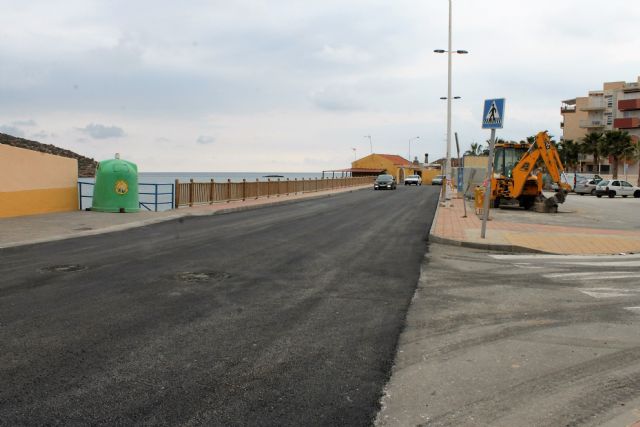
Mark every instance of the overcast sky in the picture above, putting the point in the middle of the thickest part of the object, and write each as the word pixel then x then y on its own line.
pixel 251 85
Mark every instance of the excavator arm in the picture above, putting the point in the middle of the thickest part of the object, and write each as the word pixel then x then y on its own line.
pixel 522 170
pixel 551 159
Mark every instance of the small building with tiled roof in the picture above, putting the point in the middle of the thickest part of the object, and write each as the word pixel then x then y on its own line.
pixel 391 164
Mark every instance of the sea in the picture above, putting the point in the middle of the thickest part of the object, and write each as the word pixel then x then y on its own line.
pixel 170 178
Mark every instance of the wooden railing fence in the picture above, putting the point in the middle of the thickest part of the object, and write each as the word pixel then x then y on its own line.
pixel 200 193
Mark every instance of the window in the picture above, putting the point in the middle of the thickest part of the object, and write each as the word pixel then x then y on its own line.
pixel 615 183
pixel 625 184
pixel 604 168
pixel 609 101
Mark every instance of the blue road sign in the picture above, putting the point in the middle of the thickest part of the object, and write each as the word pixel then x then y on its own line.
pixel 493 113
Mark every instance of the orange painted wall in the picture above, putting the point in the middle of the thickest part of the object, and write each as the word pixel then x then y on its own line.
pixel 34 182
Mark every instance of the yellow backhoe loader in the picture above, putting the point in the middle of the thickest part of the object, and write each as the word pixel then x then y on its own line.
pixel 517 179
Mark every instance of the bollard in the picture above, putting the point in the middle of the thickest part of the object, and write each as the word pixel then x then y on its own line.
pixel 479 200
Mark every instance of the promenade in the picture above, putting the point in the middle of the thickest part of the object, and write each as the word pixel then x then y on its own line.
pixel 32 229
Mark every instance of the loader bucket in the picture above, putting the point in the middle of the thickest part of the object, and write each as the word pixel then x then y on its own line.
pixel 549 205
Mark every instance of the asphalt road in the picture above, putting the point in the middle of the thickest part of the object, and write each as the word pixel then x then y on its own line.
pixel 519 340
pixel 286 315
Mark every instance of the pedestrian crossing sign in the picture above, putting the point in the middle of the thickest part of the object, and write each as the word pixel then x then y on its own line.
pixel 493 113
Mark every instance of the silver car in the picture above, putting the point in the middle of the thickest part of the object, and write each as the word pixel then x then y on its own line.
pixel 437 180
pixel 587 186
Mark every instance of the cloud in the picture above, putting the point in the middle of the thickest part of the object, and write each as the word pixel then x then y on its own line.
pixel 336 98
pixel 11 130
pixel 29 122
pixel 41 134
pixel 343 54
pixel 98 131
pixel 205 139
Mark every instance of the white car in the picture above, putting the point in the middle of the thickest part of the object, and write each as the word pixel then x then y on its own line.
pixel 413 180
pixel 437 180
pixel 616 187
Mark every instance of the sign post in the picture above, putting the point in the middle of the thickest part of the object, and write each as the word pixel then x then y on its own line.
pixel 492 118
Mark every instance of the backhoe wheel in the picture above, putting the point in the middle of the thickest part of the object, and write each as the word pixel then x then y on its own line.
pixel 612 194
pixel 636 194
pixel 527 202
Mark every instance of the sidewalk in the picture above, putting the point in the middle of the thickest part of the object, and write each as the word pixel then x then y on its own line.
pixel 523 232
pixel 31 229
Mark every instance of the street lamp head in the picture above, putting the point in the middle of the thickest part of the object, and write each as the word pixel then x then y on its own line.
pixel 443 97
pixel 439 51
pixel 462 52
pixel 457 97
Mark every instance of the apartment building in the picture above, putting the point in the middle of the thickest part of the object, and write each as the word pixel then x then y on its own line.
pixel 615 107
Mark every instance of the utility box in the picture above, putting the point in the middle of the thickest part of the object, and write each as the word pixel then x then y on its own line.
pixel 116 188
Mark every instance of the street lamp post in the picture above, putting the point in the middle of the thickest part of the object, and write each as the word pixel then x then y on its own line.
pixel 411 139
pixel 370 144
pixel 449 54
pixel 354 155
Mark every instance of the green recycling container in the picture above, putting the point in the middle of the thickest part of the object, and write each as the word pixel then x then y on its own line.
pixel 116 188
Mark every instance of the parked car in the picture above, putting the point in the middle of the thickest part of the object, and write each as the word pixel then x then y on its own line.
pixel 616 187
pixel 437 180
pixel 587 186
pixel 413 180
pixel 383 182
pixel 574 178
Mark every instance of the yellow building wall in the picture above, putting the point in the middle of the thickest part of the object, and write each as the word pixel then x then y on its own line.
pixel 34 182
pixel 375 161
pixel 475 161
pixel 429 174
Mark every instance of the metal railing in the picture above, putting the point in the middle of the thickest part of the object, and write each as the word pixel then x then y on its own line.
pixel 150 205
pixel 155 195
pixel 200 193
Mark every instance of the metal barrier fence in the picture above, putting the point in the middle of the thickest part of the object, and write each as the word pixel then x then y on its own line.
pixel 199 193
pixel 149 200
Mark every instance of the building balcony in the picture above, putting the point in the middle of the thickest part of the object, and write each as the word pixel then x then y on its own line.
pixel 594 106
pixel 567 109
pixel 631 87
pixel 591 123
pixel 629 104
pixel 561 125
pixel 627 123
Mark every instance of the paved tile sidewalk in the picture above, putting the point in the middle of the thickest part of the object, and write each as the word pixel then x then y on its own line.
pixel 64 225
pixel 450 227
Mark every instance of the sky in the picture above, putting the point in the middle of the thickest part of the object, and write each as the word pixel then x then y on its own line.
pixel 294 86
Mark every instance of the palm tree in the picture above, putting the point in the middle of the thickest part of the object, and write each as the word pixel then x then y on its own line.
pixel 475 150
pixel 619 146
pixel 569 152
pixel 592 144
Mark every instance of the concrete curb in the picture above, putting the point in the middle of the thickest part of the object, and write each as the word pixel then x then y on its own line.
pixel 487 246
pixel 477 245
pixel 175 216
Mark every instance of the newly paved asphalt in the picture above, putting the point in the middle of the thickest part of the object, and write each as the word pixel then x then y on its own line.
pixel 287 315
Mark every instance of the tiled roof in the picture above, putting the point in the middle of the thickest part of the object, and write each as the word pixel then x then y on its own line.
pixel 397 160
